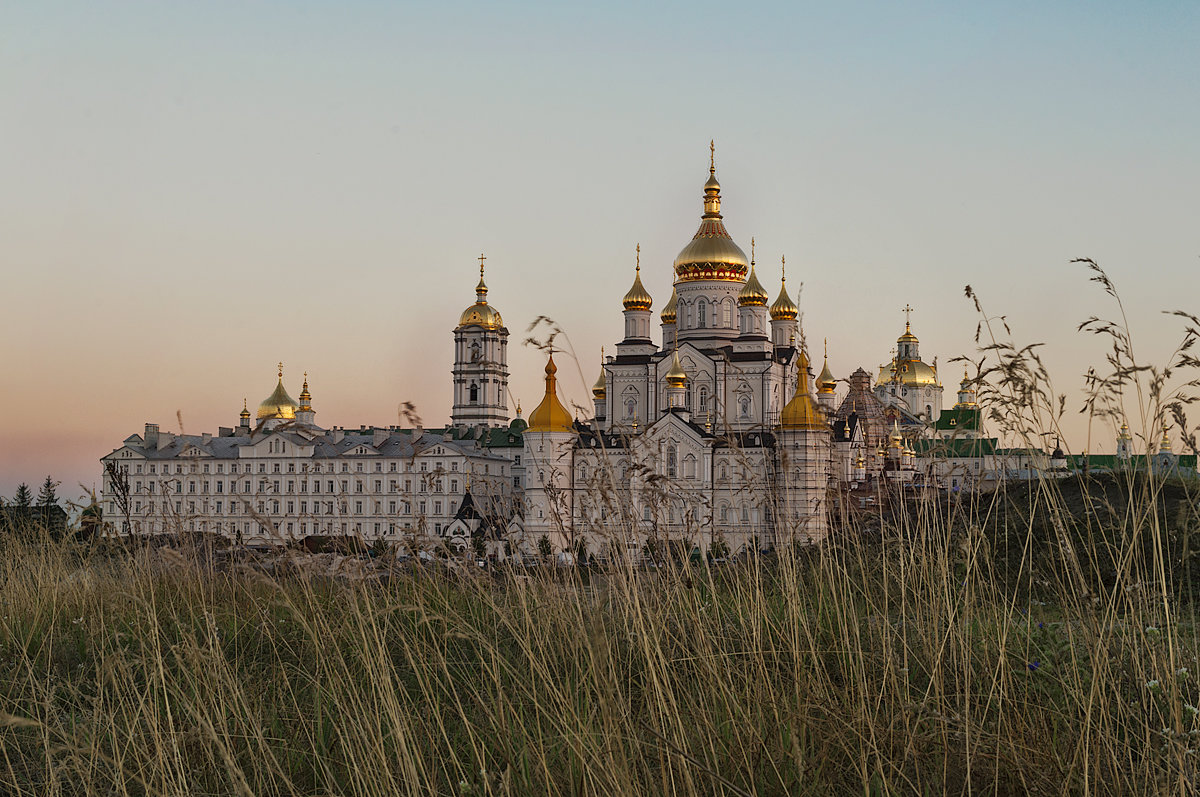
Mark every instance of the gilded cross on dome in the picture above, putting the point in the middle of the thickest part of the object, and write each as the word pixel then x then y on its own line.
pixel 281 370
pixel 907 313
pixel 481 259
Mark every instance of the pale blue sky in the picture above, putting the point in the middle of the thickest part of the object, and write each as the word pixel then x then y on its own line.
pixel 192 192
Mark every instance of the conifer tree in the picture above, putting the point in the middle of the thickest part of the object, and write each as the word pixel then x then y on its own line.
pixel 47 497
pixel 24 496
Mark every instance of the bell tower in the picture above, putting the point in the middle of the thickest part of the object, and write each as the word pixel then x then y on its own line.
pixel 480 363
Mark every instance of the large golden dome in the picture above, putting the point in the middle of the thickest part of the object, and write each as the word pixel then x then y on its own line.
pixel 279 404
pixel 911 373
pixel 481 314
pixel 711 254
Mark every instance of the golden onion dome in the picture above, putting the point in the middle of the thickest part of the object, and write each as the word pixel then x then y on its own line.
pixel 481 314
pixel 638 297
pixel 305 396
pixel 245 413
pixel 1124 434
pixel 279 404
pixel 550 415
pixel 753 294
pixel 712 254
pixel 600 389
pixel 675 376
pixel 908 336
pixel 668 312
pixel 802 412
pixel 825 382
pixel 784 309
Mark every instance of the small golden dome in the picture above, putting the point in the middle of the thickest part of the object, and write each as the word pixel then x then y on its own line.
pixel 600 389
pixel 783 309
pixel 245 413
pixel 825 382
pixel 675 377
pixel 668 312
pixel 279 404
pixel 305 396
pixel 802 412
pixel 550 415
pixel 753 294
pixel 1124 433
pixel 637 298
pixel 908 336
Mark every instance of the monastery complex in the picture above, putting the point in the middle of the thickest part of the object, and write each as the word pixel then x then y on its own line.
pixel 709 435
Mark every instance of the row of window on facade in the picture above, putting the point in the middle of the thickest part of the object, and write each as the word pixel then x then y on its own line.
pixel 236 507
pixel 277 467
pixel 252 530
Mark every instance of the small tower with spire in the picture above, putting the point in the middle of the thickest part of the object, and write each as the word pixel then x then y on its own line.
pixel 752 312
pixel 668 317
pixel 305 414
pixel 480 364
pixel 676 379
pixel 637 303
pixel 244 423
pixel 827 386
pixel 600 394
pixel 1124 443
pixel 784 312
pixel 804 451
pixel 548 441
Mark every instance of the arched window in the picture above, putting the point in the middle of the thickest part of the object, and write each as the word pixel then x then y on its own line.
pixel 473 393
pixel 672 460
pixel 744 406
pixel 703 312
pixel 689 467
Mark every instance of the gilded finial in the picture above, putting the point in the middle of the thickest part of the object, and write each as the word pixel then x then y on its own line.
pixel 907 316
pixel 783 270
pixel 281 370
pixel 752 250
pixel 518 408
pixel 712 158
pixel 638 267
pixel 481 259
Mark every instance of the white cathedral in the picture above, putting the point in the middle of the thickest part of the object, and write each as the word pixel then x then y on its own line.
pixel 708 440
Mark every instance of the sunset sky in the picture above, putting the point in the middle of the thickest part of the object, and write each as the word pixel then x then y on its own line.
pixel 190 193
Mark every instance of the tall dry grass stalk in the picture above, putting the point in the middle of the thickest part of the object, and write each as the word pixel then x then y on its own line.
pixel 1037 640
